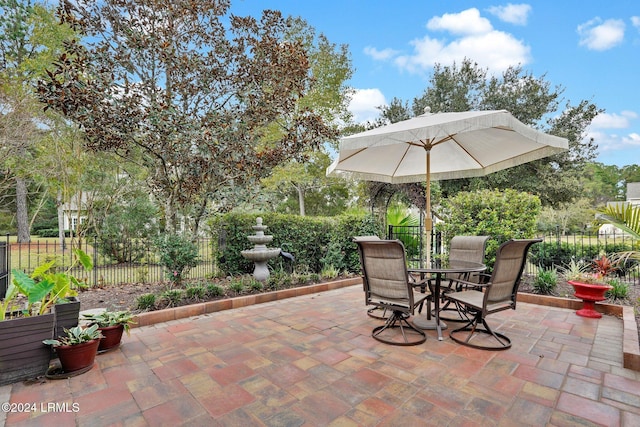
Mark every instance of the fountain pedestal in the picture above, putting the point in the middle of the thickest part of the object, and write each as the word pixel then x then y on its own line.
pixel 260 254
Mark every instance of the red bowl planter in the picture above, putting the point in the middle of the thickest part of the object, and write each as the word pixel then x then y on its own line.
pixel 589 293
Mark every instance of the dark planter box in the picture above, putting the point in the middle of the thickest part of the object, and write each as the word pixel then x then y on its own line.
pixel 22 354
pixel 67 315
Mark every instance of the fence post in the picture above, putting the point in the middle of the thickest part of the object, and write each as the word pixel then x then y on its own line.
pixel 5 251
pixel 95 260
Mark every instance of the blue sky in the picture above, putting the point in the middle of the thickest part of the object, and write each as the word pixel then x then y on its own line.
pixel 589 47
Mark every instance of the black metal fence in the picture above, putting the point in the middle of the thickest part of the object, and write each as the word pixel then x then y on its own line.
pixel 555 251
pixel 144 269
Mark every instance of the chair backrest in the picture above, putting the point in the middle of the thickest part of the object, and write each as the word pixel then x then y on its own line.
pixel 511 259
pixel 384 270
pixel 468 248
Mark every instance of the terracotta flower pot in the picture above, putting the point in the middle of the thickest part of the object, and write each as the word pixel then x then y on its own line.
pixel 112 335
pixel 78 356
pixel 589 293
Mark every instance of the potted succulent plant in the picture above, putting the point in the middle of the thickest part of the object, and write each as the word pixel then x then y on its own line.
pixel 589 286
pixel 112 324
pixel 78 348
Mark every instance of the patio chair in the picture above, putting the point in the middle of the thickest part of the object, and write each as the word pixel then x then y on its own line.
pixel 497 294
pixel 387 285
pixel 463 248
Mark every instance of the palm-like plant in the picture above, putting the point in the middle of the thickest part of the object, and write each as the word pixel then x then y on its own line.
pixel 626 217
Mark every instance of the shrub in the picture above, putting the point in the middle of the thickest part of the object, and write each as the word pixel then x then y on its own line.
pixel 329 272
pixel 308 239
pixel 146 302
pixel 171 297
pixel 620 290
pixel 255 285
pixel 503 215
pixel 178 254
pixel 125 233
pixel 236 286
pixel 546 281
pixel 196 292
pixel 214 290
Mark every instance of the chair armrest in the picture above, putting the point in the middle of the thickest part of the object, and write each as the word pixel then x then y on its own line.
pixel 472 284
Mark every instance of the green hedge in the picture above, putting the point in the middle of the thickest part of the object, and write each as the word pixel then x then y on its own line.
pixel 558 254
pixel 313 241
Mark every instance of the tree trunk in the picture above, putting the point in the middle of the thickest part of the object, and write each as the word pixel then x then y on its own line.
pixel 300 199
pixel 22 214
pixel 170 216
pixel 61 237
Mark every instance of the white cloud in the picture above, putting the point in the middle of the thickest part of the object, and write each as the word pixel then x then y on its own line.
pixel 635 21
pixel 610 143
pixel 466 22
pixel 512 13
pixel 495 50
pixel 380 55
pixel 473 37
pixel 613 121
pixel 598 35
pixel 363 104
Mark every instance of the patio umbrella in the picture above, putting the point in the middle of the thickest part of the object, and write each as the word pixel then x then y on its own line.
pixel 442 146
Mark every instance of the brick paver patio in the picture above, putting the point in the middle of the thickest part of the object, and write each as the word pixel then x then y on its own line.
pixel 310 361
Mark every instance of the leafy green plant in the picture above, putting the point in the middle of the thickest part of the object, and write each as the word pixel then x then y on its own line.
pixel 256 285
pixel 196 292
pixel 619 291
pixel 146 302
pixel 172 297
pixel 111 318
pixel 236 285
pixel 546 281
pixel 503 215
pixel 178 254
pixel 45 286
pixel 76 335
pixel 329 272
pixel 214 290
pixel 574 269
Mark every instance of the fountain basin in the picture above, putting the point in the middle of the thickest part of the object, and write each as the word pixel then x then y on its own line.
pixel 261 255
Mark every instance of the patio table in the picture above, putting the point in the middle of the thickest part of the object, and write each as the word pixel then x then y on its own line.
pixel 439 270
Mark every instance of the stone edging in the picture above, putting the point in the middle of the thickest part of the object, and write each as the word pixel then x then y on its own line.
pixel 167 314
pixel 631 346
pixel 630 342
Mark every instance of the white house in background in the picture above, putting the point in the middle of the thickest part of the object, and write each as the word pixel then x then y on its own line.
pixel 633 198
pixel 633 193
pixel 73 213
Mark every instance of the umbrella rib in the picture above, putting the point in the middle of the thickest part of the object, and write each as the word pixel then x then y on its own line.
pixel 452 137
pixel 409 144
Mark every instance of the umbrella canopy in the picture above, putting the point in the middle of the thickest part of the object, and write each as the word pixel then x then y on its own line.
pixel 442 146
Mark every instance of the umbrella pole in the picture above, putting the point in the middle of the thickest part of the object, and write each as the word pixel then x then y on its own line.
pixel 428 223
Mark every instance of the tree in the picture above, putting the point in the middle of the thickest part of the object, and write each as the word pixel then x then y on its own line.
pixel 205 108
pixel 303 186
pixel 530 99
pixel 29 38
pixel 328 95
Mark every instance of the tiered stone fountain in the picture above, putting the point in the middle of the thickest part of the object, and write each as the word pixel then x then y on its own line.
pixel 260 254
